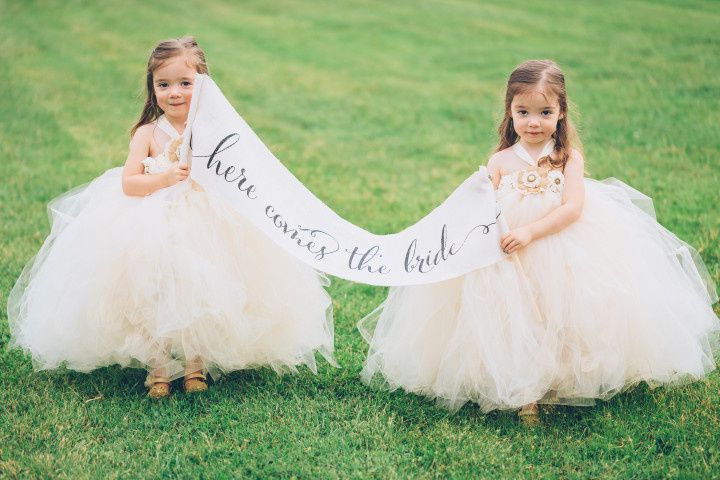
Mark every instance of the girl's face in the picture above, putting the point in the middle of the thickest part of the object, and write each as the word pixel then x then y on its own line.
pixel 173 84
pixel 535 116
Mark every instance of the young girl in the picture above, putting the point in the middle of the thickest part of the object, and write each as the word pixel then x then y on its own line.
pixel 141 268
pixel 614 298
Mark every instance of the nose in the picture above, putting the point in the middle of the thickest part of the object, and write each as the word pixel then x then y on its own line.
pixel 533 121
pixel 174 92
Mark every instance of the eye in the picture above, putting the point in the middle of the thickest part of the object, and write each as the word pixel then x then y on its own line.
pixel 162 85
pixel 522 112
pixel 186 83
pixel 545 113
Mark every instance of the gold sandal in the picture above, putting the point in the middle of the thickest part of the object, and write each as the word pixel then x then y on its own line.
pixel 195 382
pixel 159 388
pixel 530 415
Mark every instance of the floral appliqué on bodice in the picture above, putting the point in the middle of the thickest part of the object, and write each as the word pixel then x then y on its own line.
pixel 159 164
pixel 536 179
pixel 529 182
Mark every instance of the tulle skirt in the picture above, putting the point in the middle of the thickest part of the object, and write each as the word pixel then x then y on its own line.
pixel 475 338
pixel 161 281
pixel 612 300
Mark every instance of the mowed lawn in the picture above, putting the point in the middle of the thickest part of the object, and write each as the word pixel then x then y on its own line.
pixel 381 109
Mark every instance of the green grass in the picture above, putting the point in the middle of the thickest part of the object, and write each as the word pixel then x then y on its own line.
pixel 381 108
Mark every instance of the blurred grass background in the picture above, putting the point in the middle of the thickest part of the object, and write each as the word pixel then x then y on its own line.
pixel 381 109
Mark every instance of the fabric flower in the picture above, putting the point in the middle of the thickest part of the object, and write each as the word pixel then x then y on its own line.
pixel 556 181
pixel 174 149
pixel 156 165
pixel 530 182
pixel 530 178
pixel 148 164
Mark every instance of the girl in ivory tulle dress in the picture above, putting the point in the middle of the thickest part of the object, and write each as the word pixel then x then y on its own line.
pixel 593 297
pixel 143 268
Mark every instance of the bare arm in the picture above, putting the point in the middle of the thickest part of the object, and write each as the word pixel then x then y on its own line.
pixel 570 210
pixel 134 180
pixel 572 202
pixel 493 168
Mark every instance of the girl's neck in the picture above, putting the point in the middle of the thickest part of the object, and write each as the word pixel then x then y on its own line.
pixel 533 149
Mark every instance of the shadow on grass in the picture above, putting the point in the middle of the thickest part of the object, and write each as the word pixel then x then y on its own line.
pixel 248 388
pixel 632 407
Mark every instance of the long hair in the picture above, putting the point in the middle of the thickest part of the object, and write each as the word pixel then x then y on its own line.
pixel 544 76
pixel 164 51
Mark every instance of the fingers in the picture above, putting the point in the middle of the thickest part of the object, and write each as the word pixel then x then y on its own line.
pixel 510 244
pixel 182 172
pixel 506 241
pixel 505 244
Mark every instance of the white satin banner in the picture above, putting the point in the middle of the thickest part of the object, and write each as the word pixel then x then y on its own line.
pixel 228 159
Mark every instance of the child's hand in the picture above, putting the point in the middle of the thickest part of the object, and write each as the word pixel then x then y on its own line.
pixel 177 173
pixel 515 239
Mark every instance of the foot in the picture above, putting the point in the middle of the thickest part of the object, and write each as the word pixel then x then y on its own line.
pixel 530 415
pixel 159 388
pixel 195 382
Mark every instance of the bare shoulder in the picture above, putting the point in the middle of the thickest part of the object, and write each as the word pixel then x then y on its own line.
pixel 575 166
pixel 498 158
pixel 576 160
pixel 500 162
pixel 143 133
pixel 504 153
pixel 141 141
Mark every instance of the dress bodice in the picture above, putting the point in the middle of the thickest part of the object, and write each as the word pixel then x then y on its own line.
pixel 535 179
pixel 157 164
pixel 166 158
pixel 531 181
pixel 528 194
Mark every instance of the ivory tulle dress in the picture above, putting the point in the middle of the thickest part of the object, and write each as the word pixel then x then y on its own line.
pixel 612 300
pixel 163 280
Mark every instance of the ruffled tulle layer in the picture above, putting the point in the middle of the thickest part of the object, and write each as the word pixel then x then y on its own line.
pixel 161 281
pixel 474 338
pixel 621 300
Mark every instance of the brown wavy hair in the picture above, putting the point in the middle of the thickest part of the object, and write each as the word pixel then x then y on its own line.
pixel 164 51
pixel 544 76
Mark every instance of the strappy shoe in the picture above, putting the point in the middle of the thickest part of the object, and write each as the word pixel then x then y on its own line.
pixel 159 388
pixel 195 382
pixel 530 415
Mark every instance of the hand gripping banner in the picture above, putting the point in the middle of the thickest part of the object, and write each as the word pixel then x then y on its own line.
pixel 228 159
